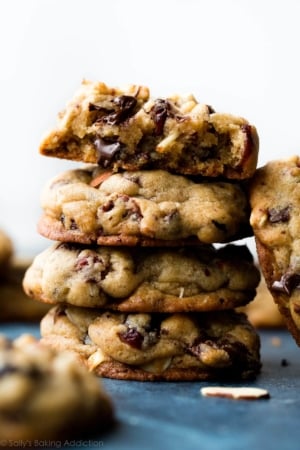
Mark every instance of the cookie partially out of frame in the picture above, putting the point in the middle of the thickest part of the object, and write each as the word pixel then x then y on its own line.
pixel 46 394
pixel 143 279
pixel 149 347
pixel 152 207
pixel 275 218
pixel 15 305
pixel 123 128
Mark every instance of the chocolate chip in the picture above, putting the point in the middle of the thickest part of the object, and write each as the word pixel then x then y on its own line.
pixel 247 130
pixel 94 267
pixel 106 149
pixel 279 215
pixel 108 206
pixel 287 283
pixel 122 108
pixel 132 337
pixel 159 114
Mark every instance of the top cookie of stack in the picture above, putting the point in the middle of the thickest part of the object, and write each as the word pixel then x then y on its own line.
pixel 126 129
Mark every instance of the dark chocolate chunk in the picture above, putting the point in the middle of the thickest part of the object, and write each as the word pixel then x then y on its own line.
pixel 159 114
pixel 122 108
pixel 132 337
pixel 287 283
pixel 106 149
pixel 279 215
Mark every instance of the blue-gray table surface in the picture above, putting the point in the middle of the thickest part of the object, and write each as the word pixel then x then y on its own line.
pixel 174 416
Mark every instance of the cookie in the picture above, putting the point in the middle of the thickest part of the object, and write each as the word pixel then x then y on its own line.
pixel 123 128
pixel 275 219
pixel 263 312
pixel 6 251
pixel 143 279
pixel 15 305
pixel 90 205
pixel 149 347
pixel 47 395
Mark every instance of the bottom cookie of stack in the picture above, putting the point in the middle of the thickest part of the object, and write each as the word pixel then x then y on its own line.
pixel 219 345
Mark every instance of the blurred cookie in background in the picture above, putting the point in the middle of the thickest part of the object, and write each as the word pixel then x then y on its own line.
pixel 6 250
pixel 15 305
pixel 48 395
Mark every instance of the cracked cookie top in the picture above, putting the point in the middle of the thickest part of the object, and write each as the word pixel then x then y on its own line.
pixel 124 128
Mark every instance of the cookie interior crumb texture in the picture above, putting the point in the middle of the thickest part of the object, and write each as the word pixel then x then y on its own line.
pixel 124 128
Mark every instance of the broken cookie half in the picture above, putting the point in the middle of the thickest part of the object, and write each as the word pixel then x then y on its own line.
pixel 124 128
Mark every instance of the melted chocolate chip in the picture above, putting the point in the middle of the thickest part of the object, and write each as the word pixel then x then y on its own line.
pixel 106 149
pixel 247 130
pixel 287 283
pixel 122 108
pixel 237 351
pixel 279 215
pixel 132 337
pixel 108 206
pixel 159 114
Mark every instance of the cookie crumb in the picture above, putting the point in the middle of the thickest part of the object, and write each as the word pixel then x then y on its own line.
pixel 237 393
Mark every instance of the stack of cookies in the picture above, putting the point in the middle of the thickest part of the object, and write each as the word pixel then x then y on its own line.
pixel 140 290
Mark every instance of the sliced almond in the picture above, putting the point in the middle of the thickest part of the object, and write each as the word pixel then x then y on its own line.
pixel 100 178
pixel 97 358
pixel 237 393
